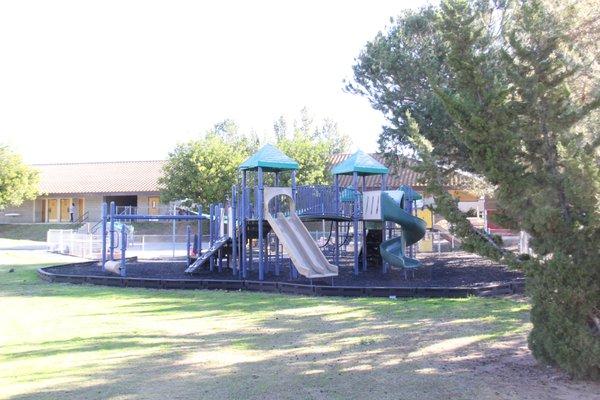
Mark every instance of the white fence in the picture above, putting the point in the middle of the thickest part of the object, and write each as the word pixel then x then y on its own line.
pixel 68 241
pixel 87 245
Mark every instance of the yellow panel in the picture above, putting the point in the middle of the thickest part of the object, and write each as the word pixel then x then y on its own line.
pixel 64 210
pixel 426 244
pixel 427 216
pixel 52 209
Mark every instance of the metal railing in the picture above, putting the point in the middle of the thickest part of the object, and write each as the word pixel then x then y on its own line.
pixel 311 201
pixel 161 209
pixel 323 201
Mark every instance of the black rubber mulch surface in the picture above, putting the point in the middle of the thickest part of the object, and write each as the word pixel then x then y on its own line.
pixel 456 269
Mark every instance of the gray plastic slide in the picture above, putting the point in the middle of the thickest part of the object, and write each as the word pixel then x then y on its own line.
pixel 300 246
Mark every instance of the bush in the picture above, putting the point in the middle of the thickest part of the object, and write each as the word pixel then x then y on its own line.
pixel 566 315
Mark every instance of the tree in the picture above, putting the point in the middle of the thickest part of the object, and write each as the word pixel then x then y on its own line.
pixel 228 130
pixel 311 144
pixel 313 157
pixel 506 78
pixel 18 182
pixel 205 170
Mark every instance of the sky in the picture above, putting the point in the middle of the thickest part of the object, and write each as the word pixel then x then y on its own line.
pixel 128 80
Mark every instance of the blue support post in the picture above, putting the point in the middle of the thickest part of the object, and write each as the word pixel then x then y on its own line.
pixel 355 220
pixel 104 211
pixel 336 190
pixel 259 206
pixel 234 239
pixel 384 265
pixel 188 244
pixel 122 269
pixel 112 230
pixel 211 235
pixel 277 266
pixel 244 228
pixel 294 270
pixel 410 211
pixel 199 231
pixel 364 230
pixel 219 221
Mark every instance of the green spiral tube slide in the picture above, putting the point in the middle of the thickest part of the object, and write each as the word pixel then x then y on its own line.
pixel 413 230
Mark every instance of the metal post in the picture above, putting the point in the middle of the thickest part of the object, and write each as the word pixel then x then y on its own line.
pixel 259 206
pixel 355 220
pixel 199 231
pixel 188 243
pixel 384 265
pixel 112 230
pixel 122 269
pixel 104 210
pixel 336 190
pixel 294 186
pixel 174 230
pixel 244 265
pixel 364 229
pixel 277 266
pixel 234 239
pixel 294 270
pixel 211 235
pixel 218 236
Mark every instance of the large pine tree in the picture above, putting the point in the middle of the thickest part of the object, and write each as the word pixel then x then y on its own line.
pixel 505 81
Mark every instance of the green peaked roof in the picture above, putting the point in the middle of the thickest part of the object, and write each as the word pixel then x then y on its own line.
pixel 270 158
pixel 361 163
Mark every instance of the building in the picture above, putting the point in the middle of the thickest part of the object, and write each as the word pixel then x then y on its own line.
pixel 87 186
pixel 135 184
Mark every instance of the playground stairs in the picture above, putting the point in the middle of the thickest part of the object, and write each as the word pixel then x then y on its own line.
pixel 373 242
pixel 217 245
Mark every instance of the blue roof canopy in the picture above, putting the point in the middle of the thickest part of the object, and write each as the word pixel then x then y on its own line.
pixel 361 163
pixel 269 158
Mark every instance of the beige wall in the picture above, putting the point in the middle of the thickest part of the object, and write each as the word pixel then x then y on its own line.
pixel 24 213
pixel 31 211
pixel 93 205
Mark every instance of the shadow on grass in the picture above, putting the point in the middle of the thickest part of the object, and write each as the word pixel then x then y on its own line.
pixel 294 348
pixel 201 344
pixel 301 364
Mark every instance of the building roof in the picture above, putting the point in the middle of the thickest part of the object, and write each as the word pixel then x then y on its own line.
pixel 396 175
pixel 100 177
pixel 361 163
pixel 270 158
pixel 142 176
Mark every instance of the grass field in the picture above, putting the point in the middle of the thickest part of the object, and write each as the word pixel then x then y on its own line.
pixel 80 342
pixel 31 231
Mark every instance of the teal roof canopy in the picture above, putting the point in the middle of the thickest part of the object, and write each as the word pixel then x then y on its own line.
pixel 361 163
pixel 410 192
pixel 269 158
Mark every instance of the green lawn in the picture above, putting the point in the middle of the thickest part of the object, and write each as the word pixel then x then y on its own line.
pixel 63 341
pixel 31 231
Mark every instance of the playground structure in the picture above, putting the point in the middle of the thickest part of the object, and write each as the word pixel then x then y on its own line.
pixel 262 228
